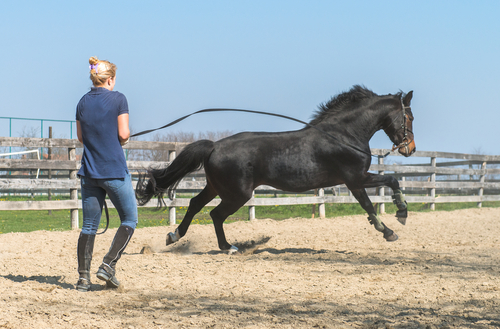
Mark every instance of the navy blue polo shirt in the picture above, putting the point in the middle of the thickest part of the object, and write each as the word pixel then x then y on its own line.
pixel 98 112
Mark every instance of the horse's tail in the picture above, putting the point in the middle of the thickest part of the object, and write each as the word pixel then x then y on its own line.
pixel 165 180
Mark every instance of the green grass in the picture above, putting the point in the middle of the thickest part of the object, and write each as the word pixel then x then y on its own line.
pixel 59 220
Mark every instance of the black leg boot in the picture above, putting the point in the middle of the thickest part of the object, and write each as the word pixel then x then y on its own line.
pixel 107 271
pixel 85 249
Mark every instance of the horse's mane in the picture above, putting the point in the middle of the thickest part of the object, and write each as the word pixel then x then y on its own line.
pixel 342 101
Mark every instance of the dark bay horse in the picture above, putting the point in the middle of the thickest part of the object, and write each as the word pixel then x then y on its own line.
pixel 333 149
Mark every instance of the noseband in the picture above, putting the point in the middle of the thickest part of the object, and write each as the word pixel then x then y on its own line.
pixel 405 142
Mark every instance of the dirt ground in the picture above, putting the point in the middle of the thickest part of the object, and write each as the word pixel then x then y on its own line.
pixel 443 272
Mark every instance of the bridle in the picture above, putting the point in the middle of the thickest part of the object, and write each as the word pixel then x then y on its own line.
pixel 406 141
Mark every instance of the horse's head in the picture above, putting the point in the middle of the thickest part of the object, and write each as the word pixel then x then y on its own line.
pixel 399 127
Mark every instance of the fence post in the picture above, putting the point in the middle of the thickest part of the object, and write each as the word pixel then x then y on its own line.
pixel 321 193
pixel 49 157
pixel 171 210
pixel 251 209
pixel 172 213
pixel 73 193
pixel 433 180
pixel 381 190
pixel 481 180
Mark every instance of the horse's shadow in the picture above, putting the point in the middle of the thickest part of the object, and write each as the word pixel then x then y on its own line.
pixel 258 246
pixel 244 248
pixel 53 280
pixel 290 251
pixel 56 281
pixel 274 251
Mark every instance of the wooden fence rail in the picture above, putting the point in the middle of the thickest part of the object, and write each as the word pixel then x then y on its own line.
pixel 420 181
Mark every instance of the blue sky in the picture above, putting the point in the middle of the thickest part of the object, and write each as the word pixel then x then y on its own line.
pixel 176 57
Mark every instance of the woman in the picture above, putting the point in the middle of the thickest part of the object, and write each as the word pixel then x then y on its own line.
pixel 102 126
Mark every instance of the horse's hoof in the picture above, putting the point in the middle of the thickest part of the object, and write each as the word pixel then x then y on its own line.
pixel 391 238
pixel 173 237
pixel 402 220
pixel 401 215
pixel 232 250
pixel 169 239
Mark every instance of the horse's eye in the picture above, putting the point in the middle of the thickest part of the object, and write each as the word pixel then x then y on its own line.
pixel 410 115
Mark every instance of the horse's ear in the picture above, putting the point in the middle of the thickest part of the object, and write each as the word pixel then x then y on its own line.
pixel 407 98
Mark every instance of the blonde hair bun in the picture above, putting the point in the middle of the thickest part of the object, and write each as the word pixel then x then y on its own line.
pixel 93 60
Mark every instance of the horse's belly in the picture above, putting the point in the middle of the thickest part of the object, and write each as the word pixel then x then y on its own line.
pixel 300 178
pixel 301 185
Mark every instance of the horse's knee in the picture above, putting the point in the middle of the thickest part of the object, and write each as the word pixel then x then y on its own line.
pixel 196 204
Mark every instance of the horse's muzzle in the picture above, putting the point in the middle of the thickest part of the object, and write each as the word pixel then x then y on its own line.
pixel 407 149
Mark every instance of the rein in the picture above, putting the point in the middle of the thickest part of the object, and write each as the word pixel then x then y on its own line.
pixel 271 114
pixel 107 218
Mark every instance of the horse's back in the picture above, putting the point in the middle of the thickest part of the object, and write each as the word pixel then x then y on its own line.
pixel 258 148
pixel 287 161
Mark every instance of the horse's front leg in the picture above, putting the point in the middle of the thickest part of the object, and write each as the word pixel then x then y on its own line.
pixel 366 204
pixel 397 197
pixel 399 200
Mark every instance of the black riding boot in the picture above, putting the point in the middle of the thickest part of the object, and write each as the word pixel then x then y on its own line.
pixel 85 249
pixel 107 271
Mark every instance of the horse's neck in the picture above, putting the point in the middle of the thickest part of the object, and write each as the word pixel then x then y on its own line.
pixel 361 123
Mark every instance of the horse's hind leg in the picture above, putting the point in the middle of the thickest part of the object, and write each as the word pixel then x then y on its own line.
pixel 195 205
pixel 219 215
pixel 366 204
